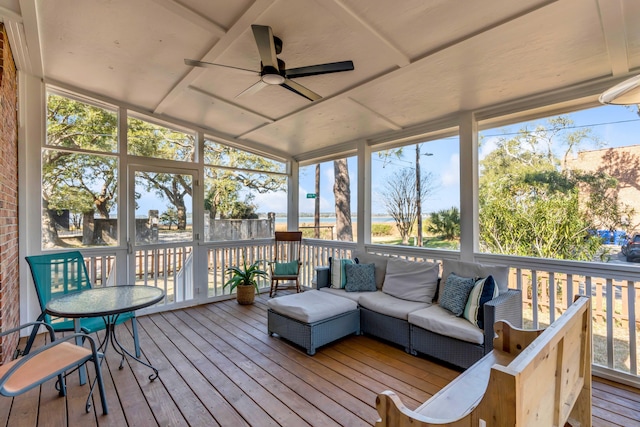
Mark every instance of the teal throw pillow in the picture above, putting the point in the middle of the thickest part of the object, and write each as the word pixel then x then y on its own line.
pixel 456 293
pixel 286 268
pixel 360 278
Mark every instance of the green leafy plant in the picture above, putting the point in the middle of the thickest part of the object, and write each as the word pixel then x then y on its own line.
pixel 246 274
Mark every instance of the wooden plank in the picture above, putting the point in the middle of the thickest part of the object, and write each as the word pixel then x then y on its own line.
pixel 187 402
pixel 157 394
pixel 352 396
pixel 333 385
pixel 291 392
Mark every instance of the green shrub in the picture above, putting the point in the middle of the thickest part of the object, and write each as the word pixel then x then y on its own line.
pixel 381 229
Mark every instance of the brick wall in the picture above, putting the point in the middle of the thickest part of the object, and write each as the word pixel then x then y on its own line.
pixel 9 257
pixel 622 163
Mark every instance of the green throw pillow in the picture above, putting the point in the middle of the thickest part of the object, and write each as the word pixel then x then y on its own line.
pixel 286 268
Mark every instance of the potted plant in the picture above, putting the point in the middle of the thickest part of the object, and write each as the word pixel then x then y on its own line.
pixel 245 280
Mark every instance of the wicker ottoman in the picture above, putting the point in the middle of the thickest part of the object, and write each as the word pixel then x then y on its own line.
pixel 312 319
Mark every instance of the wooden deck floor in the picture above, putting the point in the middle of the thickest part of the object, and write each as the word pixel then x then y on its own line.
pixel 218 366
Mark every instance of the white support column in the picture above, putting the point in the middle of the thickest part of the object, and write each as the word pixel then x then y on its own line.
pixel 469 230
pixel 364 196
pixel 31 134
pixel 125 263
pixel 293 190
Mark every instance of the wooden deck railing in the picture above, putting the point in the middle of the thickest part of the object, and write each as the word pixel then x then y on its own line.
pixel 548 286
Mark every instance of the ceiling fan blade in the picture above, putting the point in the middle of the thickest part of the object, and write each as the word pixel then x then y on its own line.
pixel 314 70
pixel 266 45
pixel 300 90
pixel 252 89
pixel 194 63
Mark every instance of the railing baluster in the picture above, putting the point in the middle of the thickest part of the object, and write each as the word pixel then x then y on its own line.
pixel 552 297
pixel 534 297
pixel 609 317
pixel 633 351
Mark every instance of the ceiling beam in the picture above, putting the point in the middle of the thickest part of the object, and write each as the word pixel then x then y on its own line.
pixel 231 104
pixel 6 13
pixel 398 72
pixel 612 20
pixel 242 24
pixel 348 16
pixel 387 122
pixel 29 27
pixel 193 16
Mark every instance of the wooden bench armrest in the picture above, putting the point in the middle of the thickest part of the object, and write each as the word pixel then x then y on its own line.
pixel 511 339
pixel 452 405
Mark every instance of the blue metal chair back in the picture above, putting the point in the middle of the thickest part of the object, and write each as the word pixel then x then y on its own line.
pixel 58 274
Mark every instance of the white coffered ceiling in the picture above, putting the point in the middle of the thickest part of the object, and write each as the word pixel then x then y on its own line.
pixel 416 61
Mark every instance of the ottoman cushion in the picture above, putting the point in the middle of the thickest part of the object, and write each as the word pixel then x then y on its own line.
pixel 311 306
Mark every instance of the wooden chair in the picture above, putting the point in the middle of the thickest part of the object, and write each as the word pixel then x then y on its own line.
pixel 49 361
pixel 286 262
pixel 62 273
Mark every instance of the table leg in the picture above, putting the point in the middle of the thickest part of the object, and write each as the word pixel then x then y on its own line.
pixel 121 350
pixel 82 370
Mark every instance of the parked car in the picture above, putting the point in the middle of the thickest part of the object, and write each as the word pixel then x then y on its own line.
pixel 631 249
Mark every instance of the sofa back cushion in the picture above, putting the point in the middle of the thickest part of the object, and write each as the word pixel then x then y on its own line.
pixel 471 269
pixel 410 280
pixel 379 261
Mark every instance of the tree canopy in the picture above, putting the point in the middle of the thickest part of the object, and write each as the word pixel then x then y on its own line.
pixel 80 169
pixel 532 204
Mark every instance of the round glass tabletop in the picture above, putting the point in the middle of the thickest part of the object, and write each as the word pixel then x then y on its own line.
pixel 105 301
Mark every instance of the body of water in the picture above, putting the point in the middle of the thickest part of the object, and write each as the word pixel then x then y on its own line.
pixel 332 220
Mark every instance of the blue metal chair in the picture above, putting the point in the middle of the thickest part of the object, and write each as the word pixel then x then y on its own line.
pixel 50 361
pixel 59 274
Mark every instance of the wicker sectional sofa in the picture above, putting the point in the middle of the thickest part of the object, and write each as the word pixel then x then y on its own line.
pixel 422 326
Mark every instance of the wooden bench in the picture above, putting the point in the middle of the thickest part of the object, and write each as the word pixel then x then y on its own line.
pixel 531 378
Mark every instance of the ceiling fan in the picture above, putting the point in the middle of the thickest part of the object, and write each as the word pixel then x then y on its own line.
pixel 273 70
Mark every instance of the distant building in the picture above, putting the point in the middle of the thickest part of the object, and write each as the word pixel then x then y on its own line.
pixel 622 163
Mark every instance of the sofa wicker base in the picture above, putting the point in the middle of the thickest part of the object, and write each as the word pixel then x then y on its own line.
pixel 385 327
pixel 450 350
pixel 316 334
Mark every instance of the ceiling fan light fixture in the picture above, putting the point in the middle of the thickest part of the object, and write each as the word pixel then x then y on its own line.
pixel 625 93
pixel 272 79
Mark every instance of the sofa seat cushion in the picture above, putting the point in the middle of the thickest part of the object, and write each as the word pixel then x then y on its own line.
pixel 390 306
pixel 440 321
pixel 311 306
pixel 353 296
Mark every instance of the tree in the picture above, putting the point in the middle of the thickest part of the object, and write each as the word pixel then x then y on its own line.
pixel 169 217
pixel 81 183
pixel 224 186
pixel 400 199
pixel 173 187
pixel 445 223
pixel 529 200
pixel 342 195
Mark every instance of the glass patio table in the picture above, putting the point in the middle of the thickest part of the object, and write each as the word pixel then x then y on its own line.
pixel 108 302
